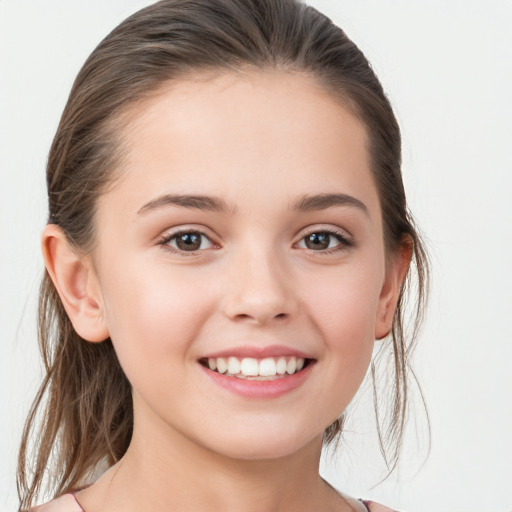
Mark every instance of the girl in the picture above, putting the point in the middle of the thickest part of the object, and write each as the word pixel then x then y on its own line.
pixel 228 236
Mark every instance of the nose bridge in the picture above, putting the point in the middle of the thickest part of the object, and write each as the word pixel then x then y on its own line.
pixel 261 286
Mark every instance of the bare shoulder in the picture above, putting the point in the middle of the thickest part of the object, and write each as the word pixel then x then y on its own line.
pixel 65 503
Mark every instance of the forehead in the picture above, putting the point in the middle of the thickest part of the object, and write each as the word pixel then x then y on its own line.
pixel 266 131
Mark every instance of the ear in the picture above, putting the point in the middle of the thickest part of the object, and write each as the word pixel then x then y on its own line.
pixel 76 283
pixel 396 270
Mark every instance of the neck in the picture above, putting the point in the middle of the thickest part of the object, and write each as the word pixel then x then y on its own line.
pixel 171 472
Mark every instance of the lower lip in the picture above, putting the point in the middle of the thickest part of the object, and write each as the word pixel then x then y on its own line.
pixel 259 389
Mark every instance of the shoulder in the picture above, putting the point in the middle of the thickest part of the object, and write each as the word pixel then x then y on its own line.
pixel 376 507
pixel 65 503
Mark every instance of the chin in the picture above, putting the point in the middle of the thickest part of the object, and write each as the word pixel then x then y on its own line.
pixel 263 445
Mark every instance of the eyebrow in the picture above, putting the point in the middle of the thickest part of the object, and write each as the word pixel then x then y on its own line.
pixel 307 203
pixel 198 202
pixel 323 201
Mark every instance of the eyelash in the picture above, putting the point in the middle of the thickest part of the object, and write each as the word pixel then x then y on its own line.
pixel 345 242
pixel 166 239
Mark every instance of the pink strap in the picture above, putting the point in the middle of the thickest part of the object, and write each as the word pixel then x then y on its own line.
pixel 77 502
pixel 375 507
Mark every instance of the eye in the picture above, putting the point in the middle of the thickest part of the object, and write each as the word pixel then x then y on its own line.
pixel 186 241
pixel 327 241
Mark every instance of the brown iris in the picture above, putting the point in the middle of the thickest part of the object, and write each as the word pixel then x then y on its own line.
pixel 189 241
pixel 318 241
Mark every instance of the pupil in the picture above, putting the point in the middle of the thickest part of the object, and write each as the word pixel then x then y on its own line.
pixel 318 241
pixel 189 241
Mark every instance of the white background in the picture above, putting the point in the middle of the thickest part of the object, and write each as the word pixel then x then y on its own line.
pixel 447 67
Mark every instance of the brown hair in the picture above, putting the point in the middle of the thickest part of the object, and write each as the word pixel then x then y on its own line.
pixel 84 406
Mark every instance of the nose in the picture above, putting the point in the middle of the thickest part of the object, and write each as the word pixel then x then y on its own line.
pixel 261 289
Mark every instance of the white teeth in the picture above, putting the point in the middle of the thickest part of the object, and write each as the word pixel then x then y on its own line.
pixel 249 367
pixel 268 367
pixel 291 367
pixel 222 366
pixel 252 367
pixel 281 366
pixel 233 365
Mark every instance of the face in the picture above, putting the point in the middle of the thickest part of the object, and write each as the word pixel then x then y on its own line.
pixel 240 265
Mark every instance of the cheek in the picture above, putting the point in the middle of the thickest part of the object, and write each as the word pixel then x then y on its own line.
pixel 344 307
pixel 152 314
pixel 345 302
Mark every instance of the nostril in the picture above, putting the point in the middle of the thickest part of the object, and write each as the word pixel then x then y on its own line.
pixel 243 315
pixel 260 318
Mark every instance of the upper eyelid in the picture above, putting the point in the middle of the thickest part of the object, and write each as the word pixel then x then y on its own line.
pixel 174 231
pixel 334 230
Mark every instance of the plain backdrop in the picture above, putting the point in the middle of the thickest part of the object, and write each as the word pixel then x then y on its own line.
pixel 447 67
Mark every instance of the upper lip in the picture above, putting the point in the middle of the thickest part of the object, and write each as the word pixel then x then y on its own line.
pixel 258 352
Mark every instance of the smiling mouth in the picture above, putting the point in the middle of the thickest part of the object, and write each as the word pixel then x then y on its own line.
pixel 249 368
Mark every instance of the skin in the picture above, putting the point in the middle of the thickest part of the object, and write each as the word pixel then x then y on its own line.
pixel 260 142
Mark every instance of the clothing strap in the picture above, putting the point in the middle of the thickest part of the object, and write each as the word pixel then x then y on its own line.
pixel 77 502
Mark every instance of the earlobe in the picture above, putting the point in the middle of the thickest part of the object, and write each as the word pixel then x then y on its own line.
pixel 395 275
pixel 76 283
